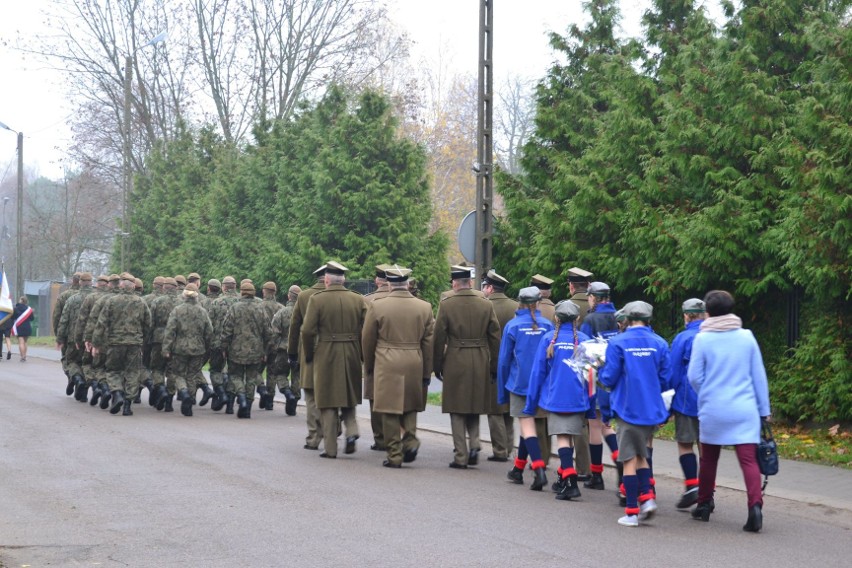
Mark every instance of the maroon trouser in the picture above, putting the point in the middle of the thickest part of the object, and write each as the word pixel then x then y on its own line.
pixel 746 455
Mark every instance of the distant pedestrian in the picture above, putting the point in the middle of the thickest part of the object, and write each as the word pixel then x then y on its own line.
pixel 22 319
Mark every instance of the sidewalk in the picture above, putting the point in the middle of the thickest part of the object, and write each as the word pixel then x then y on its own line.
pixel 797 481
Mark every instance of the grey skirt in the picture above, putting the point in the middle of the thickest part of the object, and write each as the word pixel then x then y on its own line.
pixel 565 423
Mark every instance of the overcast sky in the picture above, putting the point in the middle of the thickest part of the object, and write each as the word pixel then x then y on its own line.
pixel 32 99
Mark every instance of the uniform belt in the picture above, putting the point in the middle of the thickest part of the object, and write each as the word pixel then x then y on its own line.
pixel 339 337
pixel 411 345
pixel 466 343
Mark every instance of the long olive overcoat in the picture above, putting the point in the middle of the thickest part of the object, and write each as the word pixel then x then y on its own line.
pixel 294 346
pixel 505 308
pixel 381 292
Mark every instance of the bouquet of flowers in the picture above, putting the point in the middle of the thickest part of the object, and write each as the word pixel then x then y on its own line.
pixel 588 358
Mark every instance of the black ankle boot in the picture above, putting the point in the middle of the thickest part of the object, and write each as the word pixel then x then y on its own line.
pixel 516 475
pixel 167 399
pixel 208 394
pixel 242 412
pixel 229 404
pixel 81 390
pixel 570 490
pixel 540 479
pixel 702 511
pixel 755 519
pixel 595 482
pixel 96 394
pixel 127 411
pixel 104 396
pixel 117 402
pixel 219 398
pixel 69 388
pixel 186 402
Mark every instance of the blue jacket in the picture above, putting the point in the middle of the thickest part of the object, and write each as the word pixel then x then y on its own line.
pixel 636 371
pixel 554 385
pixel 517 351
pixel 601 321
pixel 726 370
pixel 685 400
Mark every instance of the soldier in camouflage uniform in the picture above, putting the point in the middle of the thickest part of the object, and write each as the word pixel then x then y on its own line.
pixel 78 336
pixel 245 335
pixel 122 324
pixel 186 343
pixel 99 357
pixel 218 309
pixel 65 336
pixel 156 292
pixel 160 310
pixel 204 302
pixel 270 307
pixel 180 282
pixel 195 278
pixel 57 315
pixel 279 370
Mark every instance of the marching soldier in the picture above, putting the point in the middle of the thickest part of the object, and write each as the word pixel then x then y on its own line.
pixel 99 357
pixel 57 315
pixel 78 337
pixel 382 290
pixel 397 342
pixel 467 341
pixel 65 335
pixel 218 309
pixel 285 377
pixel 331 338
pixel 270 306
pixel 160 309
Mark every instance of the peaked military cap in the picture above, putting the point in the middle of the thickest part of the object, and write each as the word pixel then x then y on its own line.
pixel 599 288
pixel 541 282
pixel 320 271
pixel 638 310
pixel 332 267
pixel 380 270
pixel 458 272
pixel 495 279
pixel 397 273
pixel 566 310
pixel 529 295
pixel 579 275
pixel 694 306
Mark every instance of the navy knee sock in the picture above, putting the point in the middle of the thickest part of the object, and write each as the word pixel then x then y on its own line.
pixel 535 452
pixel 689 465
pixel 566 460
pixel 644 481
pixel 611 442
pixel 596 457
pixel 631 491
pixel 522 449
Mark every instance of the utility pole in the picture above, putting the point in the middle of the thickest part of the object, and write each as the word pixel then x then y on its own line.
pixel 19 264
pixel 484 150
pixel 128 175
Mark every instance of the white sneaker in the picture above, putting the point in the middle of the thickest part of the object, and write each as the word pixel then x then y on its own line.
pixel 647 509
pixel 629 521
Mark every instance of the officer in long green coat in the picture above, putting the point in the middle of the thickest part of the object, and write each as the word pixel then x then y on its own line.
pixel 331 339
pixel 296 358
pixel 382 290
pixel 398 349
pixel 578 286
pixel 467 342
pixel 500 422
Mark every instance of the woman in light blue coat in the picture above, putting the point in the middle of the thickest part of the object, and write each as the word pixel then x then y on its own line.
pixel 726 371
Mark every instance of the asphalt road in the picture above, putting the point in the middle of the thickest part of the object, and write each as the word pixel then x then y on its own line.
pixel 80 487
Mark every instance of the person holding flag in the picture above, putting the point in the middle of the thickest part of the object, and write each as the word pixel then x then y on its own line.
pixel 7 310
pixel 22 327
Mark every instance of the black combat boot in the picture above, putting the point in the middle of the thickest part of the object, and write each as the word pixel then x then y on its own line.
pixel 81 390
pixel 264 397
pixel 104 396
pixel 208 394
pixel 69 388
pixel 242 412
pixel 153 392
pixel 96 393
pixel 138 398
pixel 570 489
pixel 167 406
pixel 229 404
pixel 248 408
pixel 516 475
pixel 292 401
pixel 127 411
pixel 162 393
pixel 186 402
pixel 219 399
pixel 595 482
pixel 540 479
pixel 117 401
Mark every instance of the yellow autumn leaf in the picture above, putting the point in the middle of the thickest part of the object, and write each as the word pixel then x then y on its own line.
pixel 808 441
pixel 785 436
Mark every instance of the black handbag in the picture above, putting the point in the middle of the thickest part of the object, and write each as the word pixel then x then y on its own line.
pixel 767 453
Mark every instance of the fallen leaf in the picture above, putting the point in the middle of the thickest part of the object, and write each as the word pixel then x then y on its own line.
pixel 833 430
pixel 785 436
pixel 808 441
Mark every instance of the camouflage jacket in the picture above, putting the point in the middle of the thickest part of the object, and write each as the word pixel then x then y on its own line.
pixel 245 332
pixel 188 331
pixel 123 320
pixel 94 314
pixel 217 311
pixel 60 305
pixel 70 311
pixel 160 310
pixel 279 331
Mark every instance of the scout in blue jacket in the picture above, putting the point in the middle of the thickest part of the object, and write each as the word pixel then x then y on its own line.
pixel 636 371
pixel 521 337
pixel 560 389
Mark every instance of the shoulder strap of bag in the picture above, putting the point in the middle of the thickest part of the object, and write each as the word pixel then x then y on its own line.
pixel 766 436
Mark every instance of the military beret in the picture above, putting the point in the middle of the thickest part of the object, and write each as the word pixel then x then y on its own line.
pixel 169 281
pixel 495 279
pixel 380 270
pixel 332 267
pixel 114 277
pixel 566 310
pixel 460 272
pixel 638 310
pixel 320 271
pixel 244 280
pixel 229 280
pixel 294 290
pixel 270 286
pixel 193 276
pixel 541 282
pixel 191 288
pixel 76 275
pixel 694 306
pixel 529 295
pixel 599 289
pixel 129 277
pixel 247 287
pixel 579 275
pixel 158 280
pixel 103 278
pixel 138 283
pixel 397 273
pixel 180 279
pixel 214 283
pixel 86 277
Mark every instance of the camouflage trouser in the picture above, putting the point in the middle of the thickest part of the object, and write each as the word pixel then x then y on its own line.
pixel 217 365
pixel 244 379
pixel 279 374
pixel 158 365
pixel 73 359
pixel 184 370
pixel 99 365
pixel 62 351
pixel 122 369
pixel 86 366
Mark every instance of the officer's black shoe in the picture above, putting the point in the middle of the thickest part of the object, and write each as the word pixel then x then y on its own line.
pixel 388 463
pixel 229 404
pixel 570 489
pixel 127 411
pixel 219 399
pixel 540 479
pixel 105 396
pixel 69 388
pixel 473 457
pixel 595 482
pixel 325 455
pixel 516 475
pixel 377 447
pixel 455 465
pixel 409 456
pixel 186 402
pixel 243 406
pixel 96 394
pixel 208 394
pixel 497 459
pixel 167 406
pixel 350 444
pixel 117 402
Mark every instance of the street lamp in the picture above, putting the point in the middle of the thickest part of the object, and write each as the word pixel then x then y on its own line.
pixel 128 175
pixel 19 262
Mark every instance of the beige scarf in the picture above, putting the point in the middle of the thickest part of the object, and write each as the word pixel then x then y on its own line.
pixel 727 322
